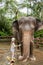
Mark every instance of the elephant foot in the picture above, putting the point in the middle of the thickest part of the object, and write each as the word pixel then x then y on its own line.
pixel 20 58
pixel 25 60
pixel 32 58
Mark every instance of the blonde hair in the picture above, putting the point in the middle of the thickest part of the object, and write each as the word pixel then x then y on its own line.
pixel 13 39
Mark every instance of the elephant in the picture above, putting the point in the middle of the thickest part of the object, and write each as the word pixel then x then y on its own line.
pixel 23 31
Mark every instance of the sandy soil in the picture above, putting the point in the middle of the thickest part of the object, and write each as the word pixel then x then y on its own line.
pixel 37 53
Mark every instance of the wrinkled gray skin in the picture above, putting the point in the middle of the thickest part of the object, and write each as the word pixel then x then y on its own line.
pixel 23 31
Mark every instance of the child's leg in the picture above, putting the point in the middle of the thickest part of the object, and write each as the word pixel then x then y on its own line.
pixel 12 55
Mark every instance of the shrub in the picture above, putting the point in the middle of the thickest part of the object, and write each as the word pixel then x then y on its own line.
pixel 38 33
pixel 3 33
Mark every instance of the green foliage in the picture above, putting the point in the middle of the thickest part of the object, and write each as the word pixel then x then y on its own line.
pixel 3 33
pixel 5 26
pixel 12 7
pixel 37 6
pixel 38 33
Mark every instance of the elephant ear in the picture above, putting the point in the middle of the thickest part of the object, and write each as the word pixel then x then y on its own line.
pixel 41 26
pixel 16 25
pixel 38 24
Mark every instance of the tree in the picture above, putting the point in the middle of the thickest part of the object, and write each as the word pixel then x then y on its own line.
pixel 11 11
pixel 37 9
pixel 34 6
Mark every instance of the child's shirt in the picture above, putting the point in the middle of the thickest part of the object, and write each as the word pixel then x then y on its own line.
pixel 13 47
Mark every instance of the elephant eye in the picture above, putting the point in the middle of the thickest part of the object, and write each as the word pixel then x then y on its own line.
pixel 32 26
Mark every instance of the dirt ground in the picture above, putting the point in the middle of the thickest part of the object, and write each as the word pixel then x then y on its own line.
pixel 38 53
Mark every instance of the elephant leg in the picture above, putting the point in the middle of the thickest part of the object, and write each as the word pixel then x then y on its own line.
pixel 21 49
pixel 31 50
pixel 32 43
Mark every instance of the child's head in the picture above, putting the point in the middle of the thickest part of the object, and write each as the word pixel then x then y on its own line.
pixel 13 39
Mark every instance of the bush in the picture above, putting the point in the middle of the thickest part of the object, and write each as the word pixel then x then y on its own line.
pixel 38 33
pixel 3 33
pixel 5 26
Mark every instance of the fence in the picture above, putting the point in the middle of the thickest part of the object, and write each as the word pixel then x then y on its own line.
pixel 5 38
pixel 8 38
pixel 38 40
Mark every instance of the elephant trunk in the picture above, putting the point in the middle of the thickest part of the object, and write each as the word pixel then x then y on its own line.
pixel 26 38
